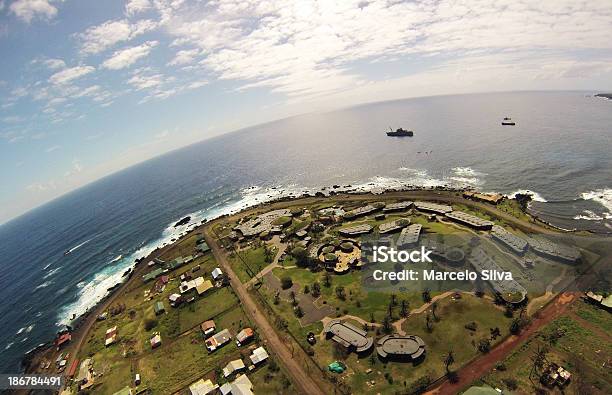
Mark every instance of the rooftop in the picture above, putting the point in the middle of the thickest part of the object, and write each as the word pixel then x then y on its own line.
pixel 219 339
pixel 259 355
pixel 241 386
pixel 349 335
pixel 262 223
pixel 356 230
pixel 433 207
pixel 554 250
pixel 409 235
pixel 511 240
pixel 393 225
pixel 203 387
pixel 362 210
pixel 510 290
pixel 396 345
pixel 233 366
pixel 485 197
pixel 469 219
pixel 399 206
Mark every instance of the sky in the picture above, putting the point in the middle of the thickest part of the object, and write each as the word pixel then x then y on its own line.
pixel 89 87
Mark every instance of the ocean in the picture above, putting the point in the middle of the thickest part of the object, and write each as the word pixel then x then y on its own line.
pixel 559 150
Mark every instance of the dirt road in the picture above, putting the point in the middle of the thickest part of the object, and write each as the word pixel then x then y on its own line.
pixel 481 366
pixel 302 381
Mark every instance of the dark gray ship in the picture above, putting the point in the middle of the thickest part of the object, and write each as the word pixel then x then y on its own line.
pixel 400 133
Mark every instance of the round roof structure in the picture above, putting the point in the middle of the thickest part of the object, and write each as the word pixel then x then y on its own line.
pixel 409 346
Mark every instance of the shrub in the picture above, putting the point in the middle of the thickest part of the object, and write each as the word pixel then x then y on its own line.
pixel 484 346
pixel 510 383
pixel 286 282
pixel 150 324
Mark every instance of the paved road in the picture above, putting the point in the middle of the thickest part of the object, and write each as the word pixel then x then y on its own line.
pixel 302 381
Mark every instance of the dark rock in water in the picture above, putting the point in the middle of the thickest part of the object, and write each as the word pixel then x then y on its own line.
pixel 604 95
pixel 183 221
pixel 336 186
pixel 319 194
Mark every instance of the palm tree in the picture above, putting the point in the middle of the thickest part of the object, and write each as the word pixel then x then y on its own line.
pixel 538 360
pixel 449 359
pixel 404 309
pixel 434 307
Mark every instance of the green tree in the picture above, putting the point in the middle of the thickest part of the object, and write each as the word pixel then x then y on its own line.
pixel 326 280
pixel 316 289
pixel 340 293
pixel 404 309
pixel 484 346
pixel 434 308
pixel 386 324
pixel 426 295
pixel 286 282
pixel 449 359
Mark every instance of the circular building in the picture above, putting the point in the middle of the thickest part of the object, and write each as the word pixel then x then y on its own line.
pixel 340 256
pixel 348 335
pixel 409 348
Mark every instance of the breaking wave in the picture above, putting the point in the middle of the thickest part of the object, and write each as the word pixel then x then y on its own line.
pixel 589 215
pixel 43 285
pixel 601 196
pixel 51 272
pixel 534 195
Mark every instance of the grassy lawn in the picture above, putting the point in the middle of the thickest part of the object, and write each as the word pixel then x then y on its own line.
pixel 593 314
pixel 448 333
pixel 176 365
pixel 580 350
pixel 115 376
pixel 267 381
pixel 255 262
pixel 206 307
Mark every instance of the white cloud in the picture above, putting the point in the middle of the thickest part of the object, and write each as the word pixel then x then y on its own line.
pixel 52 148
pixel 89 91
pixel 101 37
pixel 67 75
pixel 184 57
pixel 310 48
pixel 133 7
pixel 41 186
pixel 26 10
pixel 142 81
pixel 54 64
pixel 128 56
pixel 75 169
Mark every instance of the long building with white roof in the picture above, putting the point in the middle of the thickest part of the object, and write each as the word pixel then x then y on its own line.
pixel 435 208
pixel 552 250
pixel 470 220
pixel 510 240
pixel 409 235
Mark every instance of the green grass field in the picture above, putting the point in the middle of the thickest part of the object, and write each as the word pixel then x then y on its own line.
pixel 584 351
pixel 255 259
